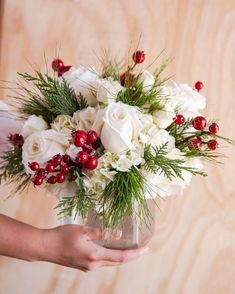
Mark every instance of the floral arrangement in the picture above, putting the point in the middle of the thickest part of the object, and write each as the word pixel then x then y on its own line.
pixel 106 140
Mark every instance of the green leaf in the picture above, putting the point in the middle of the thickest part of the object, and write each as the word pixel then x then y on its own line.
pixel 49 98
pixel 156 160
pixel 119 196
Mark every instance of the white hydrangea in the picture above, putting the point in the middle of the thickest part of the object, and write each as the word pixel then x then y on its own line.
pixel 63 124
pixel 84 119
pixel 96 181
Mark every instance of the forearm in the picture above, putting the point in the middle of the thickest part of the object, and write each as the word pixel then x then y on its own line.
pixel 20 240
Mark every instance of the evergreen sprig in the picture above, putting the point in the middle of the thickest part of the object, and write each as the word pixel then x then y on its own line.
pixel 119 196
pixel 12 170
pixel 156 160
pixel 49 98
pixel 79 203
pixel 135 96
pixel 180 132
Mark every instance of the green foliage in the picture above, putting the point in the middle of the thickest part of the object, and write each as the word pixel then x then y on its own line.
pixel 135 96
pixel 110 69
pixel 79 203
pixel 49 98
pixel 12 170
pixel 156 160
pixel 119 196
pixel 180 132
pixel 158 72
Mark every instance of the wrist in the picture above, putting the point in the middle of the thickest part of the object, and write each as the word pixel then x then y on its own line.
pixel 49 245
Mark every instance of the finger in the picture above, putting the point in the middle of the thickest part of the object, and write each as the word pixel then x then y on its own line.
pixel 105 234
pixel 104 263
pixel 122 256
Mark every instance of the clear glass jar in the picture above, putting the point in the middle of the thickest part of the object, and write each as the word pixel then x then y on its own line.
pixel 134 232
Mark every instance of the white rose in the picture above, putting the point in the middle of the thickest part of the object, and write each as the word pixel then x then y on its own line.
pixel 83 80
pixel 65 189
pixel 33 124
pixel 147 79
pixel 84 119
pixel 42 146
pixel 164 118
pixel 63 124
pixel 184 99
pixel 117 125
pixel 107 90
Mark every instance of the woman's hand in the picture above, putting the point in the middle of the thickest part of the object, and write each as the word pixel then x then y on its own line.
pixel 69 245
pixel 73 246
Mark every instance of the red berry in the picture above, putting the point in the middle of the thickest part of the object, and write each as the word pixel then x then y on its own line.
pixel 79 138
pixel 92 162
pixel 34 166
pixel 199 123
pixel 72 177
pixel 16 140
pixel 139 56
pixel 52 180
pixel 199 85
pixel 195 144
pixel 64 169
pixel 179 119
pixel 214 128
pixel 64 70
pixel 60 177
pixel 80 133
pixel 57 159
pixel 92 136
pixel 41 173
pixel 50 167
pixel 66 158
pixel 212 144
pixel 82 157
pixel 57 64
pixel 38 181
pixel 79 141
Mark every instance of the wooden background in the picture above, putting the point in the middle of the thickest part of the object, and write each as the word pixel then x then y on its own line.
pixel 193 250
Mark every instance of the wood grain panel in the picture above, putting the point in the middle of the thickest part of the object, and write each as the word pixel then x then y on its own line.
pixel 193 249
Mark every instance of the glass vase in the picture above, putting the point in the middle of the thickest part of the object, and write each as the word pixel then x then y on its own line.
pixel 134 232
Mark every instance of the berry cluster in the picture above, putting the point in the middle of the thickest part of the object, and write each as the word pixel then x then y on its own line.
pixel 16 140
pixel 199 123
pixel 89 142
pixel 62 167
pixel 59 66
pixel 56 171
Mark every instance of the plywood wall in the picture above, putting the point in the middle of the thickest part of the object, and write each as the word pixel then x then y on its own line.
pixel 193 250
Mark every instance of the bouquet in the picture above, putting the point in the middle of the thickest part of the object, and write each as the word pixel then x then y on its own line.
pixel 110 140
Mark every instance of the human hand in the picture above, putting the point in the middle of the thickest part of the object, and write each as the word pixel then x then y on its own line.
pixel 73 246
